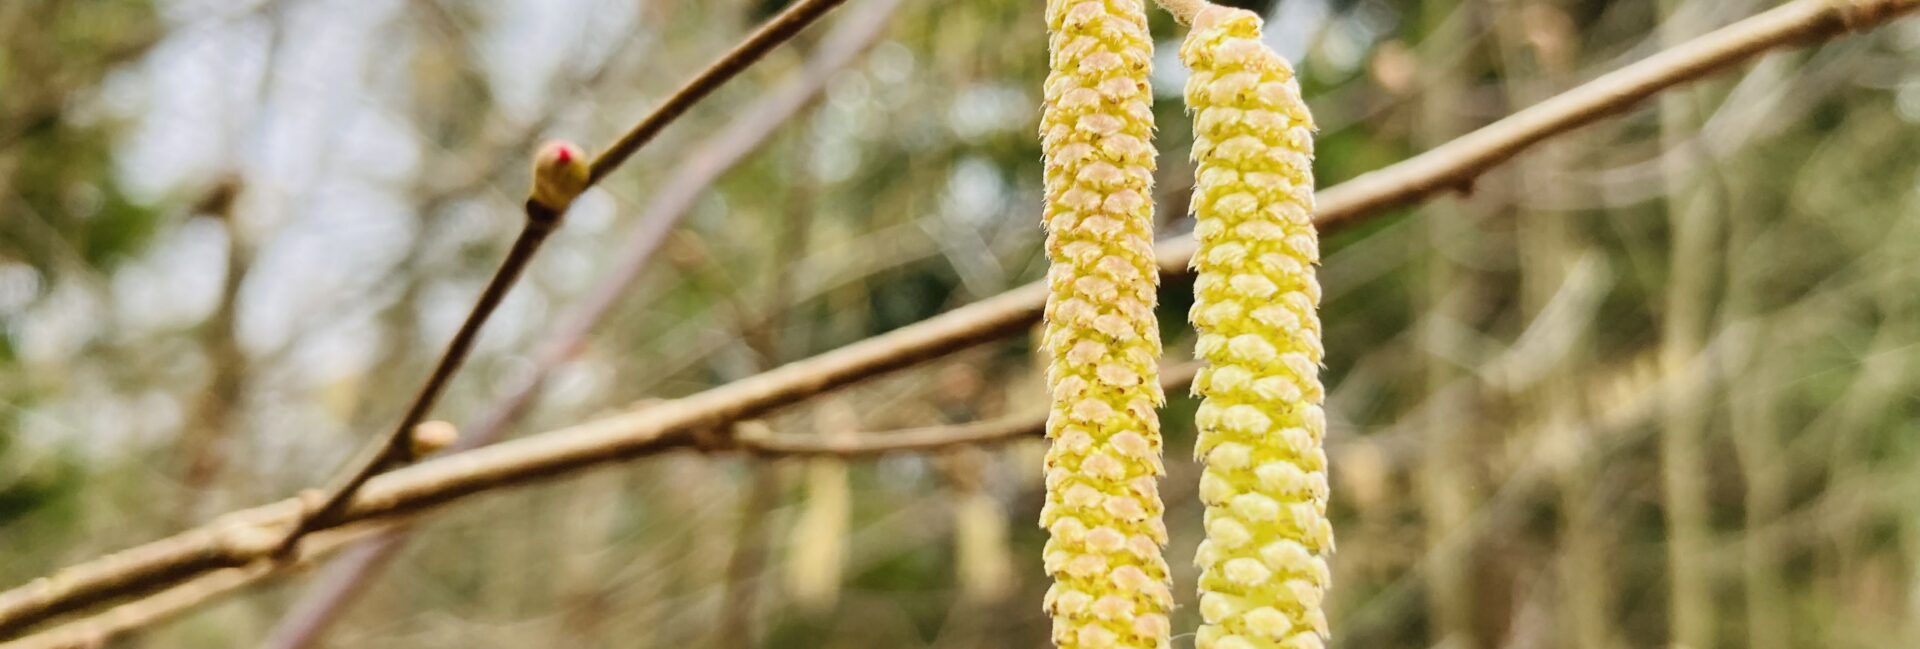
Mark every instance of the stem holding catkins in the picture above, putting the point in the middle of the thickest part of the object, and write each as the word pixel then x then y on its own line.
pixel 1103 510
pixel 1261 426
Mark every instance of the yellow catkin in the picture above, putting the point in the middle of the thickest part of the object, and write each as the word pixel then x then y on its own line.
pixel 981 564
pixel 817 554
pixel 1263 565
pixel 1103 508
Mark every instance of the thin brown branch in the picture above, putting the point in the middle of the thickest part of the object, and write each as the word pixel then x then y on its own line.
pixel 674 424
pixel 396 447
pixel 1456 164
pixel 739 619
pixel 770 35
pixel 98 630
pixel 931 438
pixel 309 617
pixel 912 440
pixel 542 220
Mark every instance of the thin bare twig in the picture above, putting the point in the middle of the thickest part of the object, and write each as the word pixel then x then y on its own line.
pixel 97 630
pixel 324 602
pixel 541 221
pixel 930 438
pixel 675 424
pixel 772 34
pixel 395 447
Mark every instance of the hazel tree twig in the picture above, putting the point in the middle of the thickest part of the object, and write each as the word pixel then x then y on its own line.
pixel 323 602
pixel 99 629
pixel 1029 425
pixel 771 34
pixel 396 447
pixel 544 209
pixel 678 424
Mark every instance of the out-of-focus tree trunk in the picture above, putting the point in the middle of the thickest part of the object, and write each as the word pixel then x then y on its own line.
pixel 1692 214
pixel 740 609
pixel 1539 42
pixel 1754 421
pixel 1445 475
pixel 204 440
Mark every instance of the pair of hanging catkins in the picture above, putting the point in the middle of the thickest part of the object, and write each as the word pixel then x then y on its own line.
pixel 1263 566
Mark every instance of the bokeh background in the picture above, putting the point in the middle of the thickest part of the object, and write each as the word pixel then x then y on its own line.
pixel 1677 348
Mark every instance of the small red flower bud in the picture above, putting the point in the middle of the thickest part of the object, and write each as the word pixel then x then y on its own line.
pixel 560 173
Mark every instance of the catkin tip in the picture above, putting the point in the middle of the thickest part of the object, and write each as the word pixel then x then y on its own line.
pixel 1213 15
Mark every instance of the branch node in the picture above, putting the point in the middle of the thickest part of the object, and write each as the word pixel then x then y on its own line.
pixel 712 439
pixel 314 506
pixel 243 540
pixel 726 438
pixel 541 217
pixel 1857 15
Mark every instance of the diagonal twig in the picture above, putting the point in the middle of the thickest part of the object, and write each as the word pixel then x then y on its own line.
pixel 776 31
pixel 327 599
pixel 543 218
pixel 395 447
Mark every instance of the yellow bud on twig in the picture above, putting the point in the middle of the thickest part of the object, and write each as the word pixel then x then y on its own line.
pixel 560 173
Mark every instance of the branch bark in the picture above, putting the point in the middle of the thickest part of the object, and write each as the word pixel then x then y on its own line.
pixel 232 541
pixel 931 438
pixel 98 630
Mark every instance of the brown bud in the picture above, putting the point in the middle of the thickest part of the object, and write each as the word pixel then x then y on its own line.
pixel 432 437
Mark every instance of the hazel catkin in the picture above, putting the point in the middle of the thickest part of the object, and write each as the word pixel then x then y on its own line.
pixel 1103 508
pixel 1263 566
